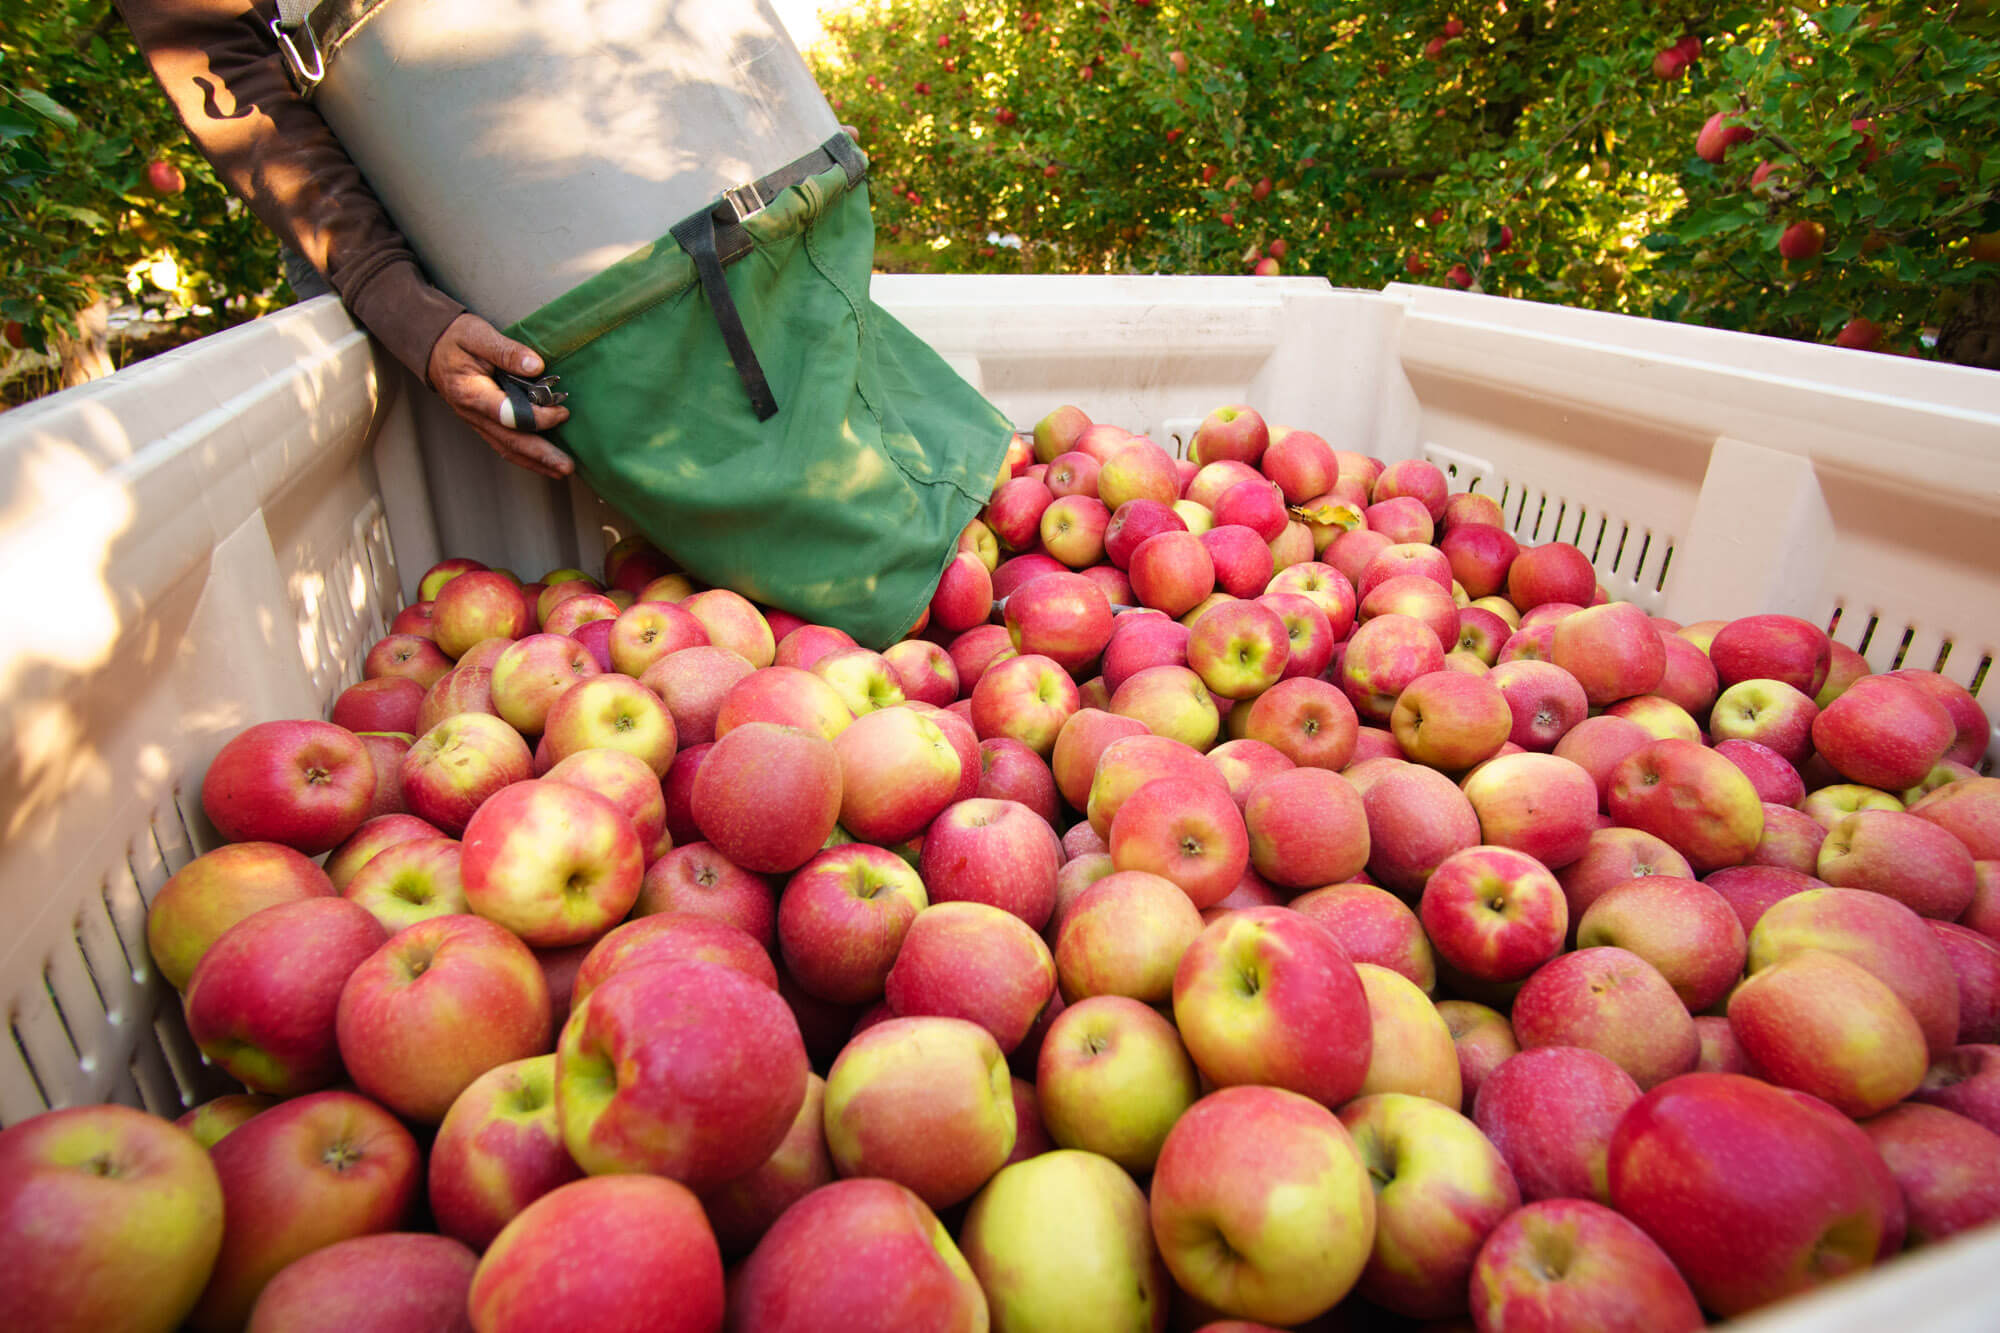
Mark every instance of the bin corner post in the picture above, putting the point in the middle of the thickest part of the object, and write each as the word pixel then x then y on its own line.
pixel 399 465
pixel 1759 539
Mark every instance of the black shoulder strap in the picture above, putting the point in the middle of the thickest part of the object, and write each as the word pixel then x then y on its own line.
pixel 696 235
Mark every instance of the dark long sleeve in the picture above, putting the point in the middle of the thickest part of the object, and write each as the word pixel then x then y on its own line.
pixel 220 67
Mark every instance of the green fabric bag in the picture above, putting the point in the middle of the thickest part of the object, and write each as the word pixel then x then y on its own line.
pixel 845 506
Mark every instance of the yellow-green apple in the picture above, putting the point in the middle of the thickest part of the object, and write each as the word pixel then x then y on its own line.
pixel 455 766
pixel 1828 805
pixel 843 917
pixel 463 689
pixel 615 1253
pixel 1810 1213
pixel 1695 800
pixel 1007 770
pixel 1984 914
pixel 1686 930
pixel 1186 830
pixel 997 852
pixel 697 878
pixel 1689 679
pixel 216 1117
pixel 1172 702
pixel 1172 572
pixel 1128 763
pixel 1771 647
pixel 1469 507
pixel 382 831
pixel 1125 934
pixel 1416 818
pixel 1133 522
pixel 1403 519
pixel 1884 733
pixel 1266 995
pixel 437 1005
pixel 395 1282
pixel 1382 657
pixel 1245 762
pixel 1449 720
pixel 217 889
pixel 612 712
pixel 408 655
pixel 671 937
pixel 1195 517
pixel 767 796
pixel 1262 1207
pixel 121 1212
pixel 1481 635
pixel 480 604
pixel 1611 856
pixel 1900 856
pixel 669 586
pixel 1611 1001
pixel 1307 828
pixel 1140 470
pixel 392 703
pixel 923 669
pixel 1072 530
pixel 1412 1047
pixel 1373 926
pixel 693 682
pixel 1239 649
pixel 1947 1166
pixel 1072 473
pixel 1484 1041
pixel 498 1149
pixel 1234 432
pixel 857 1255
pixel 305 1174
pixel 1826 1026
pixel 1493 913
pixel 1613 651
pixel 808 643
pixel 1056 433
pixel 742 1210
pixel 1440 1189
pixel 1573 1264
pixel 1660 717
pixel 410 882
pixel 1721 1053
pixel 973 961
pixel 1965 1079
pixel 865 680
pixel 685 1069
pixel 1112 1078
pixel 533 673
pixel 305 784
pixel 1242 558
pixel 263 1000
pixel 1946 773
pixel 1844 668
pixel 1776 780
pixel 1881 935
pixel 1792 839
pixel 1480 555
pixel 1417 597
pixel 956 724
pixel 734 622
pixel 1027 698
pixel 1975 961
pixel 645 632
pixel 1553 572
pixel 629 784
pixel 1769 712
pixel 898 770
pixel 1551 1110
pixel 1014 512
pixel 926 1102
pixel 573 612
pixel 555 864
pixel 1063 1241
pixel 1972 729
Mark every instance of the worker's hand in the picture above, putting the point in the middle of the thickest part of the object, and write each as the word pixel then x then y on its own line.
pixel 461 370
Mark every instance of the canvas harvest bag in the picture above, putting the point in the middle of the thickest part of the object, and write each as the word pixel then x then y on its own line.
pixel 832 474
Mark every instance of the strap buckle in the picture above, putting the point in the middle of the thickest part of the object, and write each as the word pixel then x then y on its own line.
pixel 745 199
pixel 306 77
pixel 524 395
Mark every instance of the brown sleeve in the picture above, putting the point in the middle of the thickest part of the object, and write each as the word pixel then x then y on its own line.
pixel 219 65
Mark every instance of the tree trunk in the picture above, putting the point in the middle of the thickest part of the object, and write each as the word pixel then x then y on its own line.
pixel 1971 333
pixel 87 356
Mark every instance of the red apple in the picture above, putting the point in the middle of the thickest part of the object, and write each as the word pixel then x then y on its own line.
pixel 767 796
pixel 304 784
pixel 555 864
pixel 1493 913
pixel 975 962
pixel 1574 1264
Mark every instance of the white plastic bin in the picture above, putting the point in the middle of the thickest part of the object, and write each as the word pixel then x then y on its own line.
pixel 216 536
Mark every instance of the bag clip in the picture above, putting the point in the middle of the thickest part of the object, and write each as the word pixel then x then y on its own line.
pixel 524 396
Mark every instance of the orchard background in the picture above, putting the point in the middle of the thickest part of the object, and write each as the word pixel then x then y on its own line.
pixel 1544 149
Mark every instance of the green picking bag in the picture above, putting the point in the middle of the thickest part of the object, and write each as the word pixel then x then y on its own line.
pixel 844 505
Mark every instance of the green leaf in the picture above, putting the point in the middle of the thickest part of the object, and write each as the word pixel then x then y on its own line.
pixel 43 105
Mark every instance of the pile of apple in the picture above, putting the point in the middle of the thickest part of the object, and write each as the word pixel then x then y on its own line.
pixel 1267 897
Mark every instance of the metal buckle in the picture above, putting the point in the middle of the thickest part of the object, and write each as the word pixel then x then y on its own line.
pixel 307 79
pixel 737 196
pixel 542 390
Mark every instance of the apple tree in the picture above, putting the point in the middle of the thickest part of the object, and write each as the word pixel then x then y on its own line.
pixel 1542 150
pixel 103 202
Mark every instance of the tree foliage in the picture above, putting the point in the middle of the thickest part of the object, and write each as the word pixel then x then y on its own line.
pixel 1534 148
pixel 81 121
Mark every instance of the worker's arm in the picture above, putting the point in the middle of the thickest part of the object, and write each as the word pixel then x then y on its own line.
pixel 219 65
